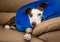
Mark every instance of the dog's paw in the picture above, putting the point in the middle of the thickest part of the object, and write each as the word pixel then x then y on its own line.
pixel 7 27
pixel 27 36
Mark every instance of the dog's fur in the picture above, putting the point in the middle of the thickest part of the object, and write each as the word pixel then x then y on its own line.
pixel 35 16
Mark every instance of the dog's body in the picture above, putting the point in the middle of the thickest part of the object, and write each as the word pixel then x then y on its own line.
pixel 35 16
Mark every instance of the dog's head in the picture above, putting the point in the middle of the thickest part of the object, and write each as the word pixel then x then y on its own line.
pixel 35 14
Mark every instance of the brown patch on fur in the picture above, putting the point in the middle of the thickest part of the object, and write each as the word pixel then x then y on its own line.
pixel 28 11
pixel 42 6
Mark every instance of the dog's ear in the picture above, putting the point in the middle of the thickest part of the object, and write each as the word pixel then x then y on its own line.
pixel 42 5
pixel 27 10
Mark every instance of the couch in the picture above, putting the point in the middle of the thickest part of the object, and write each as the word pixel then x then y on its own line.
pixel 7 11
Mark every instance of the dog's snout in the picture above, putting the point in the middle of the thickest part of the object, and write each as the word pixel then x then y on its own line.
pixel 34 24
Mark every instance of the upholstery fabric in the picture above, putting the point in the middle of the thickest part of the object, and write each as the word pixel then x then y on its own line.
pixel 14 36
pixel 4 17
pixel 12 5
pixel 51 36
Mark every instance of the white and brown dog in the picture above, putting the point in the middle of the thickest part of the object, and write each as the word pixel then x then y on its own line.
pixel 35 16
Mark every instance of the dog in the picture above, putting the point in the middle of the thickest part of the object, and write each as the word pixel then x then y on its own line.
pixel 35 16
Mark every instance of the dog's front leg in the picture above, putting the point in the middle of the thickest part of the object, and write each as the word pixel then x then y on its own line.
pixel 27 36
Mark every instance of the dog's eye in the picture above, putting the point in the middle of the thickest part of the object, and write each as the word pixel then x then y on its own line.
pixel 39 14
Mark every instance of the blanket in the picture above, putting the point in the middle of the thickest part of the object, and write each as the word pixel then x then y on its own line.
pixel 52 10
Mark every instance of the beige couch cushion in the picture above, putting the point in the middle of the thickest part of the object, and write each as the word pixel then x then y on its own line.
pixel 46 26
pixel 14 36
pixel 12 5
pixel 4 17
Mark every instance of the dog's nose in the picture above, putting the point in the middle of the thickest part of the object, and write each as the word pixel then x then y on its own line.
pixel 33 24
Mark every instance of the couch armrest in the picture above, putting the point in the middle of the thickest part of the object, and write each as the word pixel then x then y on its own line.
pixel 47 26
